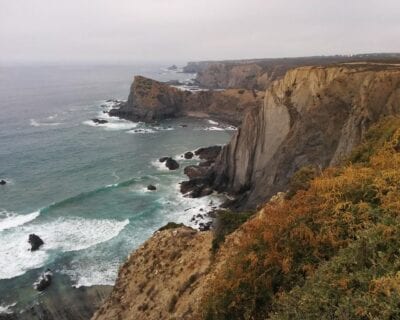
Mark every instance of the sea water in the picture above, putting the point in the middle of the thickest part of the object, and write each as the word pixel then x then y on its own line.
pixel 82 187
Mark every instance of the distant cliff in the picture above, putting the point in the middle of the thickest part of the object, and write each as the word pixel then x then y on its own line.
pixel 150 100
pixel 314 115
pixel 260 73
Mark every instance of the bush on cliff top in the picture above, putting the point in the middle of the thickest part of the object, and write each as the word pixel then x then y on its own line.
pixel 334 244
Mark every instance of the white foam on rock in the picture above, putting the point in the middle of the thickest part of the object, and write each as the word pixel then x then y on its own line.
pixel 6 309
pixel 62 234
pixel 10 220
pixel 213 122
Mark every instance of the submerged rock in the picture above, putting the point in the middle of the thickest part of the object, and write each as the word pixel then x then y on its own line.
pixel 150 187
pixel 189 155
pixel 35 241
pixel 99 121
pixel 163 159
pixel 171 164
pixel 44 281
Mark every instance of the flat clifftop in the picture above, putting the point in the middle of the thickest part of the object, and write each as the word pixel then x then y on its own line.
pixel 260 73
pixel 312 116
pixel 150 100
pixel 163 279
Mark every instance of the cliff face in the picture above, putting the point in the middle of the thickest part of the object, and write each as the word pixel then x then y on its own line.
pixel 150 100
pixel 314 115
pixel 163 279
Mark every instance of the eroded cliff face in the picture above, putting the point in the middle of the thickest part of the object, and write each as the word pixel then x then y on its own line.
pixel 150 100
pixel 163 279
pixel 314 115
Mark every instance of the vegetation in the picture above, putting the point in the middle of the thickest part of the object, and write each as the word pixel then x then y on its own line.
pixel 171 225
pixel 329 252
pixel 225 223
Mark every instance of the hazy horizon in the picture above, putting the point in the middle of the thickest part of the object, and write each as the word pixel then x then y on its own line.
pixel 160 31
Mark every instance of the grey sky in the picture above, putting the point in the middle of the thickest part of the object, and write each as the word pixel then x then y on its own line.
pixel 123 31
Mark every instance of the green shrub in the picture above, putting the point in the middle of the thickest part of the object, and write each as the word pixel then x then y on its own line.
pixel 171 225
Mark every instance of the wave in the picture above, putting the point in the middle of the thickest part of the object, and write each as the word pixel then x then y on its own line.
pixel 62 234
pixel 10 220
pixel 87 194
pixel 213 122
pixel 114 125
pixel 35 123
pixel 6 309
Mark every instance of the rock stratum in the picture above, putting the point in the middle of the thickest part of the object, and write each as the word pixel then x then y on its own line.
pixel 313 116
pixel 150 101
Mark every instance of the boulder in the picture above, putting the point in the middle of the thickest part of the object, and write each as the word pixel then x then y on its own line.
pixel 163 159
pixel 171 164
pixel 194 172
pixel 99 121
pixel 44 281
pixel 35 241
pixel 208 153
pixel 3 182
pixel 150 187
pixel 189 155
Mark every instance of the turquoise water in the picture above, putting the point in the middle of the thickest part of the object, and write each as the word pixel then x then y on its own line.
pixel 82 187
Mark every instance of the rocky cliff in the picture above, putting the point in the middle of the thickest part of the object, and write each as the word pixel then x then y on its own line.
pixel 150 100
pixel 314 115
pixel 163 279
pixel 260 73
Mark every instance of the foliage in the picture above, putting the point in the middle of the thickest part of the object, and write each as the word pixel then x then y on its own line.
pixel 171 225
pixel 287 245
pixel 301 180
pixel 225 223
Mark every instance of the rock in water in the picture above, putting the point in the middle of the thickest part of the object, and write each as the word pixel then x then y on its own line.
pixel 35 242
pixel 3 182
pixel 99 121
pixel 150 187
pixel 44 281
pixel 189 155
pixel 163 159
pixel 171 164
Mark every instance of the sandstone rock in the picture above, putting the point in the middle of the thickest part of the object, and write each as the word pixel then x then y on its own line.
pixel 195 171
pixel 35 241
pixel 313 116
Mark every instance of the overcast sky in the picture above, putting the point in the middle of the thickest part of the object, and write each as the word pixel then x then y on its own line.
pixel 120 31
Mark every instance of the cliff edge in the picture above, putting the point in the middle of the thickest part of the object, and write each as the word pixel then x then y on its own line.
pixel 313 116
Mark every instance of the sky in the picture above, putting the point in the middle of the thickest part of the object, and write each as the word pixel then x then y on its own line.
pixel 125 31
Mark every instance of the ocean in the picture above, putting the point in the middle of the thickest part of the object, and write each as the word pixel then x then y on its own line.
pixel 80 186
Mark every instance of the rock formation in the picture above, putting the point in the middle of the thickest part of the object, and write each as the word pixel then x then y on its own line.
pixel 35 241
pixel 163 279
pixel 150 101
pixel 314 115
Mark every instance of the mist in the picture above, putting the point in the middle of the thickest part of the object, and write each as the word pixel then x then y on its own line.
pixel 130 31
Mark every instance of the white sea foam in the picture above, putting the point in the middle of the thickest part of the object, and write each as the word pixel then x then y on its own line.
pixel 214 129
pixel 92 271
pixel 159 165
pixel 6 309
pixel 35 123
pixel 10 220
pixel 213 122
pixel 62 234
pixel 113 125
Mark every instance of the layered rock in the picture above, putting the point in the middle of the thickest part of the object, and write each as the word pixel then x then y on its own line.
pixel 314 115
pixel 150 100
pixel 260 73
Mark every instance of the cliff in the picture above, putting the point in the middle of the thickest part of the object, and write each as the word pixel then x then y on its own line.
pixel 260 73
pixel 150 100
pixel 313 116
pixel 163 279
pixel 329 252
